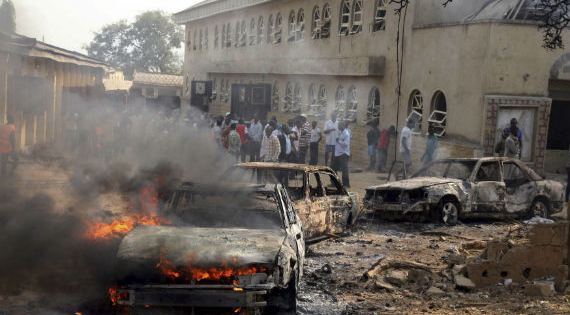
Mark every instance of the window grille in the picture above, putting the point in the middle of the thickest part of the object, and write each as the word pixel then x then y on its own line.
pixel 416 109
pixel 317 23
pixel 252 33
pixel 300 31
pixel 277 31
pixel 344 18
pixel 356 26
pixel 326 29
pixel 438 116
pixel 297 99
pixel 380 16
pixel 292 27
pixel 260 30
pixel 340 102
pixel 351 104
pixel 373 111
pixel 275 98
pixel 288 100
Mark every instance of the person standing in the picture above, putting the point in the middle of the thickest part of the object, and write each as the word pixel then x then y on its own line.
pixel 406 145
pixel 342 152
pixel 8 147
pixel 316 137
pixel 518 132
pixel 304 138
pixel 273 147
pixel 432 145
pixel 383 146
pixel 242 131
pixel 512 150
pixel 234 142
pixel 373 135
pixel 255 135
pixel 331 133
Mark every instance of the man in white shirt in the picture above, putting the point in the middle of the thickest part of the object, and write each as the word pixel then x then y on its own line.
pixel 331 133
pixel 406 145
pixel 316 137
pixel 342 152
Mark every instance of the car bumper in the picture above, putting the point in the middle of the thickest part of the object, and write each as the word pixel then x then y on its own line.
pixel 403 208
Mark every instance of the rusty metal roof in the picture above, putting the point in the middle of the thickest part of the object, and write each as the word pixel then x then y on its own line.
pixel 284 166
pixel 144 78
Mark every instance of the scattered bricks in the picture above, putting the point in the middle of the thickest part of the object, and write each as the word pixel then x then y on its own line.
pixel 463 283
pixel 542 288
pixel 548 234
pixel 495 250
pixel 456 259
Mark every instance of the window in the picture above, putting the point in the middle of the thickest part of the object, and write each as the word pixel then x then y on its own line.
pixel 194 44
pixel 356 26
pixel 260 30
pixel 317 23
pixel 188 41
pixel 514 175
pixel 243 35
pixel 296 185
pixel 313 95
pixel 416 109
pixel 300 25
pixel 277 31
pixel 201 44
pixel 214 89
pixel 489 172
pixel 344 18
pixel 222 90
pixel 340 102
pixel 227 99
pixel 206 39
pixel 297 99
pixel 315 186
pixel 229 35
pixel 322 100
pixel 326 29
pixel 317 101
pixel 352 104
pixel 288 100
pixel 270 29
pixel 238 34
pixel 186 88
pixel 275 97
pixel 292 28
pixel 331 184
pixel 216 37
pixel 380 16
pixel 252 32
pixel 373 111
pixel 223 36
pixel 438 117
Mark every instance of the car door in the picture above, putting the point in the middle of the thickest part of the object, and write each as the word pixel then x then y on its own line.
pixel 294 227
pixel 488 189
pixel 340 203
pixel 318 207
pixel 520 189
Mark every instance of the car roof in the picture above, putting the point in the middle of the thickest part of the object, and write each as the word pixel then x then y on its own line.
pixel 283 166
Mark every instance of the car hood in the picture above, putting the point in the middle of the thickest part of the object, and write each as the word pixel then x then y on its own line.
pixel 201 247
pixel 415 183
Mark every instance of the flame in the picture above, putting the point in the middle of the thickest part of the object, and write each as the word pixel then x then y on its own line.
pixel 188 272
pixel 115 296
pixel 78 313
pixel 237 310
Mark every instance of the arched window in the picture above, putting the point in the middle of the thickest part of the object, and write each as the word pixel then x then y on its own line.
pixel 416 109
pixel 260 30
pixel 229 35
pixel 270 29
pixel 237 34
pixel 317 101
pixel 222 89
pixel 313 95
pixel 292 27
pixel 228 92
pixel 201 45
pixel 356 21
pixel 326 29
pixel 275 98
pixel 300 32
pixel 216 37
pixel 438 117
pixel 351 104
pixel 206 38
pixel 252 32
pixel 288 100
pixel 373 111
pixel 380 16
pixel 317 23
pixel 297 99
pixel 243 34
pixel 344 27
pixel 188 41
pixel 277 31
pixel 214 89
pixel 186 87
pixel 195 38
pixel 223 43
pixel 340 102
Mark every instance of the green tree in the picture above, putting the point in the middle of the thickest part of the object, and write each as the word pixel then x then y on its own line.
pixel 7 16
pixel 148 44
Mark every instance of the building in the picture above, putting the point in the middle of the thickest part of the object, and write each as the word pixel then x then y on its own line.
pixel 162 91
pixel 39 84
pixel 467 68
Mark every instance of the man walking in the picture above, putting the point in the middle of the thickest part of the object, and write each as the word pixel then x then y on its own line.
pixel 372 136
pixel 242 131
pixel 331 133
pixel 8 147
pixel 342 152
pixel 383 146
pixel 316 137
pixel 304 138
pixel 273 147
pixel 255 134
pixel 432 144
pixel 234 142
pixel 406 146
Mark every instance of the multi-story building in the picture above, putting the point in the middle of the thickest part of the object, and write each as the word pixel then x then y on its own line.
pixel 467 68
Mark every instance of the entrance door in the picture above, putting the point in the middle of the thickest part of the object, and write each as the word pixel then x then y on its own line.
pixel 251 101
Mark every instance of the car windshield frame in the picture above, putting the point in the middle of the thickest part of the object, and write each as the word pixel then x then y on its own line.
pixel 472 164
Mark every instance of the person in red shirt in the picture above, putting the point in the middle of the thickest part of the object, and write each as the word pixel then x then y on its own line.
pixel 383 146
pixel 242 131
pixel 8 146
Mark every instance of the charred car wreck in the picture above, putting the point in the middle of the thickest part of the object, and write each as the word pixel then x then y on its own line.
pixel 319 198
pixel 467 188
pixel 229 250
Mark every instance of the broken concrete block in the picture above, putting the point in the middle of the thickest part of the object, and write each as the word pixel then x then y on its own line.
pixel 458 270
pixel 435 291
pixel 464 283
pixel 548 234
pixel 496 250
pixel 397 277
pixel 456 259
pixel 542 288
pixel 420 277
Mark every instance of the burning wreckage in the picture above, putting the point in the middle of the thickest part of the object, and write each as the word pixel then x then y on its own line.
pixel 451 189
pixel 230 250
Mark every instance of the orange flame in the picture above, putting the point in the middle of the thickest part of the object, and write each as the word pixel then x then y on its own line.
pixel 115 296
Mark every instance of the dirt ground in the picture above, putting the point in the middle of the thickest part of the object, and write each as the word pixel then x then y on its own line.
pixel 334 276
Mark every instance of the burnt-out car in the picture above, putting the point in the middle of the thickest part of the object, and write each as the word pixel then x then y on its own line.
pixel 228 250
pixel 321 201
pixel 451 189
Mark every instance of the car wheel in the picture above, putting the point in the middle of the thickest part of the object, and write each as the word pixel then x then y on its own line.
pixel 539 207
pixel 284 302
pixel 449 212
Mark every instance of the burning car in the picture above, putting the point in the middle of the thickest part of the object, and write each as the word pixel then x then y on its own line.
pixel 228 250
pixel 451 189
pixel 321 201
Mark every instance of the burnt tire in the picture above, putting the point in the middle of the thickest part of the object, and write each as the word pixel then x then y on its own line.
pixel 449 212
pixel 540 207
pixel 284 302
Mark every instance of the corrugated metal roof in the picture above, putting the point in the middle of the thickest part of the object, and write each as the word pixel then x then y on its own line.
pixel 209 8
pixel 144 78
